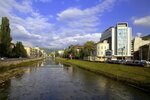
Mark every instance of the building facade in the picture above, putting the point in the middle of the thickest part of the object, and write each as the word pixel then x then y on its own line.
pixel 141 49
pixel 100 52
pixel 33 52
pixel 119 39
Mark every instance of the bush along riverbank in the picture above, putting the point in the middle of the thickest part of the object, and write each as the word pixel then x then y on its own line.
pixel 12 68
pixel 136 76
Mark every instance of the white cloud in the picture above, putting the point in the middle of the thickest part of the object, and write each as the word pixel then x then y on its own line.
pixel 139 34
pixel 77 39
pixel 85 19
pixel 43 1
pixel 73 26
pixel 24 33
pixel 32 29
pixel 144 21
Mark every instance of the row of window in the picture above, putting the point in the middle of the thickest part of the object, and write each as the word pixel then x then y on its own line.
pixel 102 47
pixel 120 53
pixel 100 53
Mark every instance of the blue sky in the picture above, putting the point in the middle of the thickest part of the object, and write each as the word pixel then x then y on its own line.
pixel 60 23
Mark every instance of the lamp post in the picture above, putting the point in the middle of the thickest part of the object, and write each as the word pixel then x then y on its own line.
pixel 122 51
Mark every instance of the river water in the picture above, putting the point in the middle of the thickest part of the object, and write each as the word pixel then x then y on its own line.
pixel 50 80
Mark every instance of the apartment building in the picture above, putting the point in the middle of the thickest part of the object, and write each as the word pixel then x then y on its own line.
pixel 33 52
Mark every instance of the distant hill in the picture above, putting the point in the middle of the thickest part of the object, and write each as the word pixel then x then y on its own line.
pixel 48 51
pixel 147 37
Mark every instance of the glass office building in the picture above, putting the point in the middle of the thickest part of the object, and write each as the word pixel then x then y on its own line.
pixel 119 39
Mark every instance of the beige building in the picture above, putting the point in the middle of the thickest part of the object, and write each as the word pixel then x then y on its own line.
pixel 28 51
pixel 100 52
pixel 138 42
pixel 141 49
pixel 33 52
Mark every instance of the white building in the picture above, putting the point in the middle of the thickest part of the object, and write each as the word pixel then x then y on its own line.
pixel 138 42
pixel 101 48
pixel 119 39
pixel 60 52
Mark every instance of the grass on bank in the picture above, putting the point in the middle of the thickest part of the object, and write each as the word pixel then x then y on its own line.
pixel 136 75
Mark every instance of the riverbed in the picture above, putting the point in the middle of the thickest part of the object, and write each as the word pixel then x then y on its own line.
pixel 51 80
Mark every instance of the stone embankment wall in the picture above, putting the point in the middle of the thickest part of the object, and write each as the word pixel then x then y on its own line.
pixel 9 62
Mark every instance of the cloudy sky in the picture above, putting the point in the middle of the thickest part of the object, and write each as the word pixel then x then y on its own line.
pixel 59 23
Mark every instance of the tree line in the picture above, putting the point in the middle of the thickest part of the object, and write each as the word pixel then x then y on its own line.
pixel 8 49
pixel 79 52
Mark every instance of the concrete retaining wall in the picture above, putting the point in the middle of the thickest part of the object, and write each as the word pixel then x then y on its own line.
pixel 16 61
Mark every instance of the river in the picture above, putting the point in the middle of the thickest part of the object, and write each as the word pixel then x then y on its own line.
pixel 51 80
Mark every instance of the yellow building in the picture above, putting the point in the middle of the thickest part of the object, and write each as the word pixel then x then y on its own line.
pixel 28 50
pixel 100 52
pixel 33 52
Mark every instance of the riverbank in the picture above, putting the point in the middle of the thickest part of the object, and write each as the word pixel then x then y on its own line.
pixel 16 61
pixel 136 76
pixel 8 68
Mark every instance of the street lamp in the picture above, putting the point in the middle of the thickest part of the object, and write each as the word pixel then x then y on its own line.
pixel 122 51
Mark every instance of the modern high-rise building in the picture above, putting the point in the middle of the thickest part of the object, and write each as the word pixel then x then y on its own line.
pixel 119 39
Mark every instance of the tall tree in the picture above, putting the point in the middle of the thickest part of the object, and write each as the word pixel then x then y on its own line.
pixel 0 34
pixel 19 50
pixel 5 38
pixel 88 48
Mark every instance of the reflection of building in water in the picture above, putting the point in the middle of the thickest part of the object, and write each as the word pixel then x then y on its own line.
pixel 60 64
pixel 42 64
pixel 70 69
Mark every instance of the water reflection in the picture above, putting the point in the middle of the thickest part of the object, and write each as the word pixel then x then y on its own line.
pixel 4 90
pixel 104 88
pixel 50 80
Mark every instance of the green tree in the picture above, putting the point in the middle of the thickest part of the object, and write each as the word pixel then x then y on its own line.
pixel 0 34
pixel 66 53
pixel 19 51
pixel 88 49
pixel 0 38
pixel 56 54
pixel 5 37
